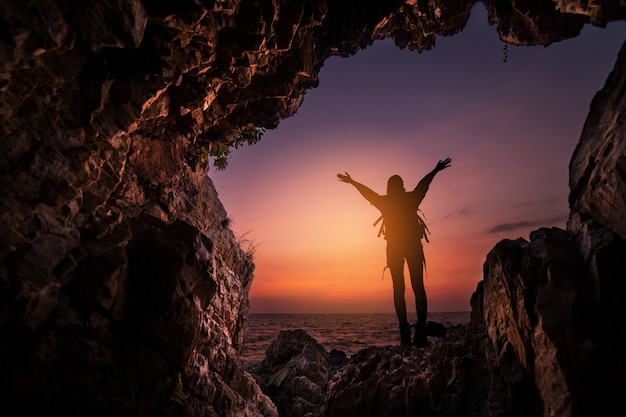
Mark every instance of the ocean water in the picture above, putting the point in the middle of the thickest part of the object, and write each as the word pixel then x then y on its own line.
pixel 348 333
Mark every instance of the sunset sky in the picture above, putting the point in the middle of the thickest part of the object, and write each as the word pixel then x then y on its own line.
pixel 510 129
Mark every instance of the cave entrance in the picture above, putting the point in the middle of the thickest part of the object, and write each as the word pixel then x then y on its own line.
pixel 509 127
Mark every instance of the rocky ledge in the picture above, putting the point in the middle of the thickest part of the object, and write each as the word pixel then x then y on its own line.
pixel 304 379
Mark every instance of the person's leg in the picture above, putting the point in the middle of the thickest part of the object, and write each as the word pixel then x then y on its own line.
pixel 395 262
pixel 416 268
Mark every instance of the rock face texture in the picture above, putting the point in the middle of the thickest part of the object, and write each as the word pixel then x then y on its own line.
pixel 450 376
pixel 124 292
pixel 294 373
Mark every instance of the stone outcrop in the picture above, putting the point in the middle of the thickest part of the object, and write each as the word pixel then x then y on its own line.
pixel 294 373
pixel 123 291
pixel 443 378
pixel 450 376
pixel 546 327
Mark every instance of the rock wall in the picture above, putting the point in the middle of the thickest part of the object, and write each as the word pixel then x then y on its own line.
pixel 123 290
pixel 554 305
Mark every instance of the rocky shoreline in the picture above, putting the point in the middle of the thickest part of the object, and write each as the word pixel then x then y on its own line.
pixel 304 379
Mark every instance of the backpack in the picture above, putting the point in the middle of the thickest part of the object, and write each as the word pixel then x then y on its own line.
pixel 423 231
pixel 422 226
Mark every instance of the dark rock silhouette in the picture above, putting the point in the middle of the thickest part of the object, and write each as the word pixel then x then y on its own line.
pixel 294 373
pixel 123 291
pixel 448 377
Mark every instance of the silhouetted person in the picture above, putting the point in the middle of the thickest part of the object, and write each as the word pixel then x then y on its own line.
pixel 403 230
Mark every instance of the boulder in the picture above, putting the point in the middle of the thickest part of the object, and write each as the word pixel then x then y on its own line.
pixel 294 373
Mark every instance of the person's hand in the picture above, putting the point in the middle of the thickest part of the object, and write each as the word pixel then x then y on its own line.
pixel 443 164
pixel 345 178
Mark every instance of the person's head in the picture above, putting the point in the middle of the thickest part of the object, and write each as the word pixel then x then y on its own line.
pixel 395 185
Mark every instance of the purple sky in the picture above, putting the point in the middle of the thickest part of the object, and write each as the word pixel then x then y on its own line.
pixel 510 129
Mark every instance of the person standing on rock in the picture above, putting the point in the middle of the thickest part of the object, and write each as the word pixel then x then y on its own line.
pixel 403 229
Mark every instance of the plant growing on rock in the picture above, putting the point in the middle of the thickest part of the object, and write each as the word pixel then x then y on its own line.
pixel 249 246
pixel 220 152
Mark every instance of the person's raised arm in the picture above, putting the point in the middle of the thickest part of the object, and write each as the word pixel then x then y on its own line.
pixel 428 178
pixel 365 191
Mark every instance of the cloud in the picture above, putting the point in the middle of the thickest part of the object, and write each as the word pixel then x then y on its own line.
pixel 507 227
pixel 461 212
pixel 539 203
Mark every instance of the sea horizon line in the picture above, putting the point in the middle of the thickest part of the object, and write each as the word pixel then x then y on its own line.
pixel 363 312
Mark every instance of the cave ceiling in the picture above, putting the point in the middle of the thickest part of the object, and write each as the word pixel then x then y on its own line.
pixel 201 71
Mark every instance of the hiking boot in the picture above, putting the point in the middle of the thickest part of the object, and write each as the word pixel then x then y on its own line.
pixel 420 339
pixel 405 334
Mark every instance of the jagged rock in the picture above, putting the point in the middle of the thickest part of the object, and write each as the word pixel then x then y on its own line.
pixel 598 206
pixel 337 360
pixel 294 373
pixel 448 377
pixel 544 321
pixel 375 382
pixel 107 111
pixel 597 168
pixel 435 329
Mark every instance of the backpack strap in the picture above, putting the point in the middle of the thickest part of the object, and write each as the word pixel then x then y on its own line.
pixel 423 225
pixel 381 231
